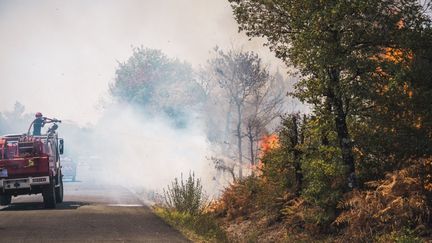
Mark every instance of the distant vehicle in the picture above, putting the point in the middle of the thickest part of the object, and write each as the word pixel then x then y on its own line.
pixel 69 168
pixel 31 165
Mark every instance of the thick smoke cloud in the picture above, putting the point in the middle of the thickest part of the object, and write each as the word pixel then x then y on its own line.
pixel 132 149
pixel 58 57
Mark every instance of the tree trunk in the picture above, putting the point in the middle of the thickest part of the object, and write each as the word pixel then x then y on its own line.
pixel 344 139
pixel 296 155
pixel 228 132
pixel 239 141
pixel 251 137
pixel 252 151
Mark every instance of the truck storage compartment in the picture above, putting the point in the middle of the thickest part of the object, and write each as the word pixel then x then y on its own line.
pixel 19 167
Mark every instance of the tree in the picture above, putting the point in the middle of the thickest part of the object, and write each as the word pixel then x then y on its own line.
pixel 248 88
pixel 264 105
pixel 336 46
pixel 157 83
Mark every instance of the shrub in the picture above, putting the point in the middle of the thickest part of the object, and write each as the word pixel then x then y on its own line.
pixel 238 199
pixel 390 205
pixel 185 196
pixel 279 170
pixel 303 218
pixel 249 196
pixel 324 182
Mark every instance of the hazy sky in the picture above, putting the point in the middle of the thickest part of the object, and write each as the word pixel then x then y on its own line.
pixel 58 57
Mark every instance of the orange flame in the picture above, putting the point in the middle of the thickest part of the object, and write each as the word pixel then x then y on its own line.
pixel 266 144
pixel 394 55
pixel 269 143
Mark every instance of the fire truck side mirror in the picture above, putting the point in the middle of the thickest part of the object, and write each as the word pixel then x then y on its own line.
pixel 61 146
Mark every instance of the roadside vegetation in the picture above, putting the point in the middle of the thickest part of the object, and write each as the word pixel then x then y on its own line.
pixel 184 207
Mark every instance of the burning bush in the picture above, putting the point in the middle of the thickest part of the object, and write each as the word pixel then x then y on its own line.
pixel 269 143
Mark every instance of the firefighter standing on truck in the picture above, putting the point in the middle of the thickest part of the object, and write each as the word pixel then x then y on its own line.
pixel 38 123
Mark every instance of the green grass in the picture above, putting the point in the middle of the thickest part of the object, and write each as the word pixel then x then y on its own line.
pixel 198 228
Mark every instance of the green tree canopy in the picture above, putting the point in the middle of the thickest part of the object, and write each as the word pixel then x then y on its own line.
pixel 157 83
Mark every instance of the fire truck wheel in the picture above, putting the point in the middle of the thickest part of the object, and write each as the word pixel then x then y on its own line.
pixel 49 195
pixel 5 200
pixel 59 192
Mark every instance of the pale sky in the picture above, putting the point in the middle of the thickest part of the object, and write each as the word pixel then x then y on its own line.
pixel 58 57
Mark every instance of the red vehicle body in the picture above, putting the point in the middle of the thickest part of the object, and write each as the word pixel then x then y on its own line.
pixel 31 165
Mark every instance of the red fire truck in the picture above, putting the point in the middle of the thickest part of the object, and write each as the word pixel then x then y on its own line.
pixel 31 165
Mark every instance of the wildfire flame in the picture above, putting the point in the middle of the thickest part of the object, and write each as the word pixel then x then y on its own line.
pixel 267 143
pixel 404 57
pixel 398 56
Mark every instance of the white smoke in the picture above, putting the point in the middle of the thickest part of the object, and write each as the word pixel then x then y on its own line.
pixel 54 51
pixel 135 150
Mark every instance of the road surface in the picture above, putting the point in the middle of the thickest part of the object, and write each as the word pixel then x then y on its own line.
pixel 89 213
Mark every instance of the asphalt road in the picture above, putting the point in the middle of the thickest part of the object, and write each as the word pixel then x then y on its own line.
pixel 89 213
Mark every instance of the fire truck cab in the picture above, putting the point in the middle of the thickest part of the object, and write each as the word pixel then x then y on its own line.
pixel 31 165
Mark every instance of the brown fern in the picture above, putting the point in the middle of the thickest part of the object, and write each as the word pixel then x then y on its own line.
pixel 391 204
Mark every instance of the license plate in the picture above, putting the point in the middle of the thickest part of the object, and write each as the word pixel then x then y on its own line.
pixel 3 172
